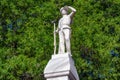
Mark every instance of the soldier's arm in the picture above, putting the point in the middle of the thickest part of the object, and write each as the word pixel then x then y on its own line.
pixel 73 11
pixel 58 28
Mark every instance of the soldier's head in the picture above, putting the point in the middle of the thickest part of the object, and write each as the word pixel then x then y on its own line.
pixel 64 11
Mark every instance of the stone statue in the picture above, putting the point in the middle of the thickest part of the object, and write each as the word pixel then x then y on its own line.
pixel 64 29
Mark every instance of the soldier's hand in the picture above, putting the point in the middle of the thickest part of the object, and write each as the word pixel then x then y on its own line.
pixel 56 31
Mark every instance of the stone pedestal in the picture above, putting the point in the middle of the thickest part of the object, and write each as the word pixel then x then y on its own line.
pixel 61 67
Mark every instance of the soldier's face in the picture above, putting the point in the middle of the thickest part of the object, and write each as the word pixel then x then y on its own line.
pixel 63 12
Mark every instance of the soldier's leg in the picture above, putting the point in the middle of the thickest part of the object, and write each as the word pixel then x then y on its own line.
pixel 61 43
pixel 67 33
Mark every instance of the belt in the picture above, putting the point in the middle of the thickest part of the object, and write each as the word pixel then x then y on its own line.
pixel 65 28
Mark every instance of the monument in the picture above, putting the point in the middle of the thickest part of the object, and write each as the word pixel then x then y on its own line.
pixel 61 65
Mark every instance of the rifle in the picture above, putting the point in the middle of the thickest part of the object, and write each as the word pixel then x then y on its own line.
pixel 54 37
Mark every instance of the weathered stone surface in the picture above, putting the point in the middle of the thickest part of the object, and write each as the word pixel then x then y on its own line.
pixel 61 67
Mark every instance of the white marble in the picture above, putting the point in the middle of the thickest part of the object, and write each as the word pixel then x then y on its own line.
pixel 59 66
pixel 60 78
pixel 64 29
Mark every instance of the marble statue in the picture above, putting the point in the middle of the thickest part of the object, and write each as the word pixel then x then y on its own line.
pixel 64 29
pixel 61 66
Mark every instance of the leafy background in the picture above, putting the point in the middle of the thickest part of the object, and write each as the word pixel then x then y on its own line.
pixel 26 38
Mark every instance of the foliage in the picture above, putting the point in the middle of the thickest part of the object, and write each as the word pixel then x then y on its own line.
pixel 26 37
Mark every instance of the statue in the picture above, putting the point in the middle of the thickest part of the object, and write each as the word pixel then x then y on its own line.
pixel 64 29
pixel 66 69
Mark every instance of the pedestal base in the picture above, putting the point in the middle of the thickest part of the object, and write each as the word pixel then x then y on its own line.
pixel 61 67
pixel 60 78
